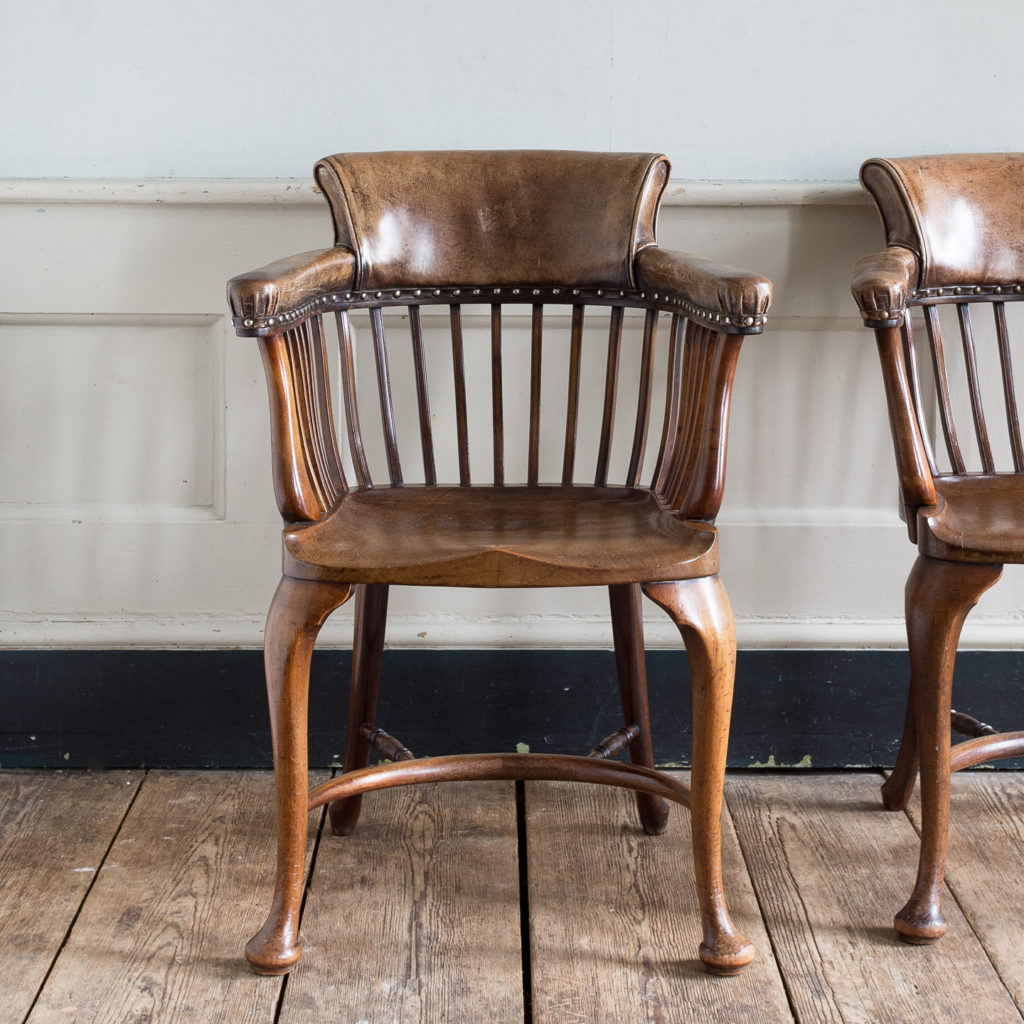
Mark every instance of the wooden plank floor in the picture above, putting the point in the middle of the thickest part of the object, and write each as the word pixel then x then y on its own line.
pixel 126 897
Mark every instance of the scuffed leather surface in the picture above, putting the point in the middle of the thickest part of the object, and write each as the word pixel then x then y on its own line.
pixel 544 217
pixel 881 283
pixel 714 287
pixel 962 214
pixel 289 284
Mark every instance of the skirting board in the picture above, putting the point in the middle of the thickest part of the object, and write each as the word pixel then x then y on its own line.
pixel 178 709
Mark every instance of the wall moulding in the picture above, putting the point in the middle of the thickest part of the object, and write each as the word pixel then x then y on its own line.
pixel 300 192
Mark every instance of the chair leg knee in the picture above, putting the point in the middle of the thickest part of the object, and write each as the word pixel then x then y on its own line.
pixel 299 609
pixel 701 610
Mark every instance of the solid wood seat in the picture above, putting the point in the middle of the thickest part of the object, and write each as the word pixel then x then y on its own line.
pixel 501 537
pixel 953 267
pixel 980 518
pixel 497 314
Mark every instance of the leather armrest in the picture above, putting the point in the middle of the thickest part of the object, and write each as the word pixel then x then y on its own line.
pixel 285 292
pixel 881 282
pixel 734 301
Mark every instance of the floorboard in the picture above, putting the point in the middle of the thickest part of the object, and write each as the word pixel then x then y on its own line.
pixel 985 865
pixel 830 868
pixel 55 828
pixel 415 917
pixel 186 882
pixel 126 899
pixel 614 925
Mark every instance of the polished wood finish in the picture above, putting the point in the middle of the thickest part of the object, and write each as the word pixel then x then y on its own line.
pixel 954 228
pixel 298 611
pixel 534 233
pixel 701 610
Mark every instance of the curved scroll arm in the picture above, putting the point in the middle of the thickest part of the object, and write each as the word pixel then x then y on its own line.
pixel 881 283
pixel 287 292
pixel 733 301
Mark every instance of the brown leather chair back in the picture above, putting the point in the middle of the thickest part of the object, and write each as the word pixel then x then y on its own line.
pixel 492 217
pixel 961 214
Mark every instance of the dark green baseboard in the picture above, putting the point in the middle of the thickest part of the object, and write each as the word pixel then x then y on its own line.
pixel 184 709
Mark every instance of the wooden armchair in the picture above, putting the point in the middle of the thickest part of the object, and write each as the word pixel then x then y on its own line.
pixel 955 265
pixel 537 259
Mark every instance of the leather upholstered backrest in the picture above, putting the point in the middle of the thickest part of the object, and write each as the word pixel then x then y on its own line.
pixel 493 217
pixel 962 214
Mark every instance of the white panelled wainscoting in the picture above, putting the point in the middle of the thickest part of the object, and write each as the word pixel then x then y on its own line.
pixel 135 499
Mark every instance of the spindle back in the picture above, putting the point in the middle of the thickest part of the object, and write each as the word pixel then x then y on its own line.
pixel 462 388
pixel 960 219
pixel 495 319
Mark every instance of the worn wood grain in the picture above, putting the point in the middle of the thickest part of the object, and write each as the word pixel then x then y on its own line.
pixel 55 828
pixel 985 865
pixel 415 916
pixel 160 937
pixel 614 920
pixel 830 868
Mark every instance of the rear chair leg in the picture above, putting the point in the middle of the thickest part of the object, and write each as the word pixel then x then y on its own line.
pixel 627 630
pixel 896 789
pixel 367 652
pixel 299 609
pixel 701 610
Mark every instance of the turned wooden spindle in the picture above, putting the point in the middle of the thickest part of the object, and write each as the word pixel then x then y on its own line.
pixel 385 745
pixel 613 744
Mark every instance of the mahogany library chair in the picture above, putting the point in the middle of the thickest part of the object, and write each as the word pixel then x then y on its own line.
pixel 943 301
pixel 458 282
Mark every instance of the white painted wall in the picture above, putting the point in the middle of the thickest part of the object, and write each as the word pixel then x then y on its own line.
pixel 135 500
pixel 731 89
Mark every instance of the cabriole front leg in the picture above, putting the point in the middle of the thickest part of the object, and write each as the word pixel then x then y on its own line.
pixel 939 596
pixel 701 610
pixel 299 609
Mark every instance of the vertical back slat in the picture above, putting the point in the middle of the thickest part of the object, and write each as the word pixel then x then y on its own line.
pixel 701 496
pixel 422 396
pixel 572 410
pixel 611 381
pixel 299 341
pixel 974 388
pixel 673 386
pixel 931 319
pixel 324 413
pixel 1006 366
pixel 459 370
pixel 697 342
pixel 914 378
pixel 643 399
pixel 497 401
pixel 535 370
pixel 387 414
pixel 348 391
